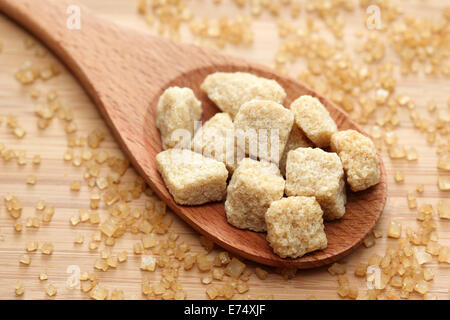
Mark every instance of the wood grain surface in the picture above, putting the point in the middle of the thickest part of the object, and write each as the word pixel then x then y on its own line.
pixel 54 175
pixel 128 103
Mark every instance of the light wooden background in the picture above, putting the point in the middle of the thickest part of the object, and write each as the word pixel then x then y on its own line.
pixel 54 176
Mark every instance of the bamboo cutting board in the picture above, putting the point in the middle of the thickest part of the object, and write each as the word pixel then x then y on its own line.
pixel 54 175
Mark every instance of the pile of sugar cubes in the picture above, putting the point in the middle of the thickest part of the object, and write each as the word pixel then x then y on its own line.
pixel 269 163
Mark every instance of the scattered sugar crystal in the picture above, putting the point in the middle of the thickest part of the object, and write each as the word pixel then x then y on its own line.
pixel 444 183
pixel 444 162
pixel 235 268
pixel 444 209
pixel 394 230
pixel 422 256
pixel 337 269
pixel 148 263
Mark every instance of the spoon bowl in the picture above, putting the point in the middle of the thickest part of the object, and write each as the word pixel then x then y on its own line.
pixel 125 72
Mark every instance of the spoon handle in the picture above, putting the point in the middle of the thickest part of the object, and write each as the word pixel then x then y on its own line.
pixel 47 19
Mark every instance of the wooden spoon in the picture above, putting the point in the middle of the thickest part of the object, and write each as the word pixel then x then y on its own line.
pixel 125 72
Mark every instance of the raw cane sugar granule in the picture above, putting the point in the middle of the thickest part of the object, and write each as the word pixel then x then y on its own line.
pixel 50 290
pixel 122 256
pixel 191 178
pixel 99 293
pixel 97 236
pixel 47 248
pixel 43 276
pixel 18 226
pixel 444 162
pixel 49 211
pixel 25 259
pixel 412 154
pixel 75 219
pixel 444 183
pixel 222 259
pixel 264 127
pixel 394 230
pixel 316 173
pixel 40 205
pixel 137 248
pixel 84 215
pixel 359 158
pixel 420 188
pixel 105 253
pixel 32 246
pixel 444 209
pixel 148 263
pixel 261 273
pixel 206 280
pixel 369 241
pixel 177 111
pixel 117 294
pixel 444 255
pixel 112 261
pixel 101 264
pixel 94 218
pixel 36 160
pixel 217 273
pixel 19 288
pixel 109 227
pixel 31 180
pixel 203 262
pixel 149 241
pixel 412 200
pixel 361 269
pixel 95 137
pixel 235 268
pixel 399 177
pixel 229 91
pixel 314 119
pixel 207 244
pixel 337 269
pixel 252 188
pixel 19 132
pixel 295 226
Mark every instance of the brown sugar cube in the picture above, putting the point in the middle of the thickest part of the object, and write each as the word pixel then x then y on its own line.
pixel 253 187
pixel 295 226
pixel 215 139
pixel 359 158
pixel 263 126
pixel 316 173
pixel 229 91
pixel 314 119
pixel 297 139
pixel 191 178
pixel 177 111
